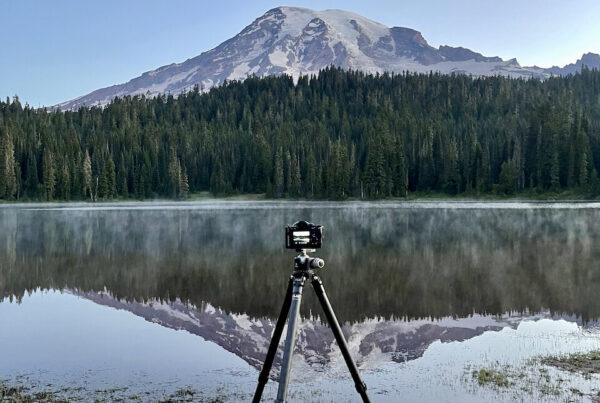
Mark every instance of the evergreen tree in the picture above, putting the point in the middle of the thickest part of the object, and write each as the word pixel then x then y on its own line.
pixel 335 135
pixel 375 172
pixel 174 175
pixel 217 179
pixel 108 180
pixel 31 184
pixel 48 174
pixel 64 184
pixel 184 186
pixel 8 177
pixel 295 189
pixel 400 177
pixel 508 178
pixel 278 183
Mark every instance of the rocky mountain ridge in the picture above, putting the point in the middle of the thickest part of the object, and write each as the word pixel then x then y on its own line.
pixel 298 41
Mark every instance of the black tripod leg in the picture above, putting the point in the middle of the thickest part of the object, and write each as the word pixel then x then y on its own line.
pixel 263 378
pixel 361 387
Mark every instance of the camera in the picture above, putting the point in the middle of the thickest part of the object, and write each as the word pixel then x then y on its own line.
pixel 303 235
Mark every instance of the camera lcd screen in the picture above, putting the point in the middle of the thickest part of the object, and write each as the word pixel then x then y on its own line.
pixel 303 235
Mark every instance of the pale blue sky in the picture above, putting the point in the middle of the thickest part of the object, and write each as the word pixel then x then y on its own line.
pixel 52 51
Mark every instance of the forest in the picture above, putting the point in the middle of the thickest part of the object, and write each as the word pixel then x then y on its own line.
pixel 337 135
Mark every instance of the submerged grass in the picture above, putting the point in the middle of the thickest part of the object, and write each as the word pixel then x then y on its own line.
pixel 582 363
pixel 21 394
pixel 491 377
pixel 18 393
pixel 555 376
pixel 525 379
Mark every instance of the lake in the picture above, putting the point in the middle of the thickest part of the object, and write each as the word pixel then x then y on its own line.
pixel 148 300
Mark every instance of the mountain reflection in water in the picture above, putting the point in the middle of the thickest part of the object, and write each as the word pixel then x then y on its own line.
pixel 400 276
pixel 373 342
pixel 387 261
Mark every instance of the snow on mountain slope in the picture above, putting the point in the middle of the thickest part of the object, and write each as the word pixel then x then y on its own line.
pixel 299 41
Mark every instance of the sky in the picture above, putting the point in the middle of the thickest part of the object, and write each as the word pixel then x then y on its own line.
pixel 53 51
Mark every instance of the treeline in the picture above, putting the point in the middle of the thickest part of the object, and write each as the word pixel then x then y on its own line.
pixel 338 135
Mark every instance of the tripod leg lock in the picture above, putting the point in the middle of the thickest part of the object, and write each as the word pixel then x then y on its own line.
pixel 361 388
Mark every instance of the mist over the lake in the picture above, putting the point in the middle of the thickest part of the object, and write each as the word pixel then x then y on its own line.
pixel 390 261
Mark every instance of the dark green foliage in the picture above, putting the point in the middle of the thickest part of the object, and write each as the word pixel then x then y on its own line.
pixel 8 168
pixel 338 135
pixel 508 178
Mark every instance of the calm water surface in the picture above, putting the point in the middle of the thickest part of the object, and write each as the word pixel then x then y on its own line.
pixel 151 297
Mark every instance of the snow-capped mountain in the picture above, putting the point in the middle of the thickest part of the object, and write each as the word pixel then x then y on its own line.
pixel 299 41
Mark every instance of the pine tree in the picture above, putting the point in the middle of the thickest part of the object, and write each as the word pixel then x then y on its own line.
pixel 108 181
pixel 48 174
pixel 555 171
pixel 295 178
pixel 278 183
pixel 338 171
pixel 8 178
pixel 217 179
pixel 112 178
pixel 174 175
pixel 184 186
pixel 583 170
pixel 122 175
pixel 375 176
pixel 311 175
pixel 64 184
pixel 400 185
pixel 508 178
pixel 288 172
pixel 31 180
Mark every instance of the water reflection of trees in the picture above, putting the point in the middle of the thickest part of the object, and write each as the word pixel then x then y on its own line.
pixel 380 262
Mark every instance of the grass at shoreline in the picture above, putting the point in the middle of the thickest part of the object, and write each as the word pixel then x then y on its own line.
pixel 19 393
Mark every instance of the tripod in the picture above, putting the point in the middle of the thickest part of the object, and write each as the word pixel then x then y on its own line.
pixel 303 265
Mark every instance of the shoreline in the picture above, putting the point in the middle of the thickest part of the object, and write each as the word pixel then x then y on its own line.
pixel 415 197
pixel 305 202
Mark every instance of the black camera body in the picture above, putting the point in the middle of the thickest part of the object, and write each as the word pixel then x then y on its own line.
pixel 303 235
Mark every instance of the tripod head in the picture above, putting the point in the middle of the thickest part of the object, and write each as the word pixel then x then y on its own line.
pixel 305 263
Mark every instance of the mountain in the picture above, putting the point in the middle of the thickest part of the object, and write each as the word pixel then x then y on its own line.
pixel 590 60
pixel 298 41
